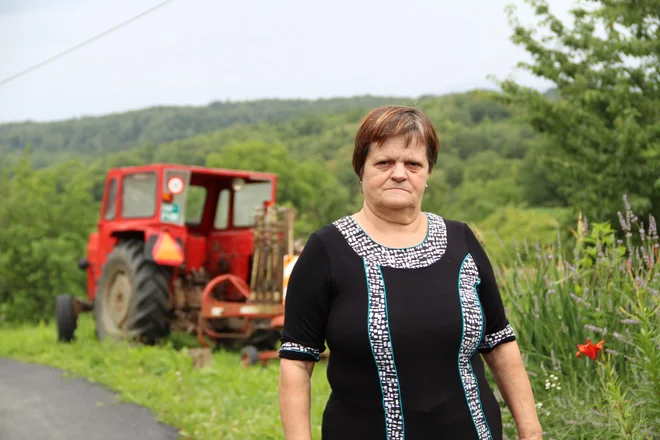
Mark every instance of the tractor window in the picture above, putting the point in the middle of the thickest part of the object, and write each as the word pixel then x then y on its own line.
pixel 222 211
pixel 195 199
pixel 139 195
pixel 111 201
pixel 248 200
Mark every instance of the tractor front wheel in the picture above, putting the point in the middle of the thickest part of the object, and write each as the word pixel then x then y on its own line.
pixel 249 356
pixel 65 314
pixel 132 296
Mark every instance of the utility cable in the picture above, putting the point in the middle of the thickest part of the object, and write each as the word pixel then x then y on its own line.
pixel 68 51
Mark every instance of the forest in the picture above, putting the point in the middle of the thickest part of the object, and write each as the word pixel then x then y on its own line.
pixel 562 186
pixel 486 173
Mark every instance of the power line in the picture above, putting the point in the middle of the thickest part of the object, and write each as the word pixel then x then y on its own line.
pixel 68 51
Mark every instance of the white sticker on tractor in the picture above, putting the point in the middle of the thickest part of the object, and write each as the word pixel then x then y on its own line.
pixel 175 185
pixel 170 213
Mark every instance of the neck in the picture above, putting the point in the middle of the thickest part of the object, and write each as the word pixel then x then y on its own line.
pixel 408 219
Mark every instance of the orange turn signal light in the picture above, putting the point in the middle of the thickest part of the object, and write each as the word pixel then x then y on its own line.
pixel 168 198
pixel 167 250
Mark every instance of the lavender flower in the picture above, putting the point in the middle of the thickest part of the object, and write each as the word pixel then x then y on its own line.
pixel 645 255
pixel 653 231
pixel 640 282
pixel 580 300
pixel 630 216
pixel 593 328
pixel 622 338
pixel 622 222
pixel 570 267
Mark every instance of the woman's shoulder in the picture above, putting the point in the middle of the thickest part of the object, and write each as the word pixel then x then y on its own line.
pixel 326 235
pixel 329 231
pixel 450 225
pixel 457 231
pixel 454 232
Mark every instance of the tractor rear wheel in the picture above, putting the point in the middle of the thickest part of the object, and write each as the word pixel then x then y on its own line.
pixel 132 296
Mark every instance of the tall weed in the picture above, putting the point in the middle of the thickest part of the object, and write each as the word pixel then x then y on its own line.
pixel 606 288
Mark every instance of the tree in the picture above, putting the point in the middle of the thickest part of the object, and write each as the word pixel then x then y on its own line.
pixel 45 219
pixel 602 124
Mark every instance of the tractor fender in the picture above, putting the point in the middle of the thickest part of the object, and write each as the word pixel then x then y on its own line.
pixel 90 263
pixel 92 251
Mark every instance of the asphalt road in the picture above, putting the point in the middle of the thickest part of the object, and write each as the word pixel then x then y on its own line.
pixel 37 403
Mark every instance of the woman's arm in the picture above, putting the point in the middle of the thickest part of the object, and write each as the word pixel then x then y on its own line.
pixel 307 305
pixel 509 372
pixel 295 398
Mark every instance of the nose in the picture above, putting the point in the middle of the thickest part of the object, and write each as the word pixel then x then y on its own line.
pixel 399 172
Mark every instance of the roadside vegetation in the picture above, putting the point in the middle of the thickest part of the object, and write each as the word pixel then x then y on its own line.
pixel 588 324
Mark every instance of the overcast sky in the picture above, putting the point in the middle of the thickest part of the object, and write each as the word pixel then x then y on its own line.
pixel 192 52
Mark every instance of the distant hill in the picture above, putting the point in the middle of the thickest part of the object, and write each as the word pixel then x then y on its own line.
pixel 99 136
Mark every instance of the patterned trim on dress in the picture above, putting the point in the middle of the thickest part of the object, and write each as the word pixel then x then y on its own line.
pixel 473 328
pixel 298 348
pixel 424 254
pixel 375 256
pixel 493 340
pixel 381 346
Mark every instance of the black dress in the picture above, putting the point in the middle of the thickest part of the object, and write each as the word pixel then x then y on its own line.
pixel 404 327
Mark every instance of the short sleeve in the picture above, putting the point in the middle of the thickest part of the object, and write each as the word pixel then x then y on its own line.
pixel 307 304
pixel 497 328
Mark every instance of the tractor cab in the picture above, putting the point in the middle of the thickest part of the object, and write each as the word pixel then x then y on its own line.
pixel 210 213
pixel 191 248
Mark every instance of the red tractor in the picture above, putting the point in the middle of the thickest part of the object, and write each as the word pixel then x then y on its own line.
pixel 190 248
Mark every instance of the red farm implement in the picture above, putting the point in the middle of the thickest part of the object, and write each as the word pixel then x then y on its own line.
pixel 195 249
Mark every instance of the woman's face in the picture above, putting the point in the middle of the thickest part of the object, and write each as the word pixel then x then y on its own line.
pixel 394 175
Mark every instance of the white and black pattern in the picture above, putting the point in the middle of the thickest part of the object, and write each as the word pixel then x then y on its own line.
pixel 381 345
pixel 422 255
pixel 493 340
pixel 473 327
pixel 292 346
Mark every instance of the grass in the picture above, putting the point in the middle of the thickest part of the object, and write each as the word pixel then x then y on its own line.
pixel 224 401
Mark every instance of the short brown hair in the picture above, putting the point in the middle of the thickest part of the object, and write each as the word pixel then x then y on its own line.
pixel 388 121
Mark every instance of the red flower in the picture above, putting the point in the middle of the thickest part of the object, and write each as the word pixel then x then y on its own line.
pixel 589 349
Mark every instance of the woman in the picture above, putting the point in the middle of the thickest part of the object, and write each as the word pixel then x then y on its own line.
pixel 406 301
